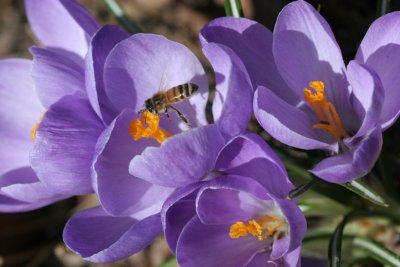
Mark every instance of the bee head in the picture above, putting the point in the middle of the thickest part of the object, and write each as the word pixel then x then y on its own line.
pixel 149 106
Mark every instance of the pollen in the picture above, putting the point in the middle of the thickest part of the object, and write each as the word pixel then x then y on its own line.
pixel 147 126
pixel 325 111
pixel 35 127
pixel 266 226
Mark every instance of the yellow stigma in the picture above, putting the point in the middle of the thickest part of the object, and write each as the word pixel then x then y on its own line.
pixel 329 119
pixel 35 127
pixel 262 228
pixel 138 129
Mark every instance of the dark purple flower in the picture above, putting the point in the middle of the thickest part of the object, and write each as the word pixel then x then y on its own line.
pixel 239 219
pixel 306 97
pixel 133 177
pixel 43 161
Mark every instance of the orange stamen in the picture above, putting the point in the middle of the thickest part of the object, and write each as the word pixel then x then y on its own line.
pixel 263 228
pixel 35 127
pixel 324 110
pixel 138 129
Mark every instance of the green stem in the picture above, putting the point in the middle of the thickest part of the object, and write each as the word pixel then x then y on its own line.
pixel 377 252
pixel 117 11
pixel 383 7
pixel 335 243
pixel 233 8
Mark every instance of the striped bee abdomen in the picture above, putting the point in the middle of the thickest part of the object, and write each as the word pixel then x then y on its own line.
pixel 181 92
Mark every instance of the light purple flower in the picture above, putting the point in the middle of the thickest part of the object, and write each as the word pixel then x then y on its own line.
pixel 40 100
pixel 301 53
pixel 241 218
pixel 133 178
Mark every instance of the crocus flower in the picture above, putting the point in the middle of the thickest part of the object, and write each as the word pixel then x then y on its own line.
pixel 40 100
pixel 242 217
pixel 140 160
pixel 306 97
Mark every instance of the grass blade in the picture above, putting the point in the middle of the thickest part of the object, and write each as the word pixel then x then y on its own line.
pixel 117 11
pixel 377 252
pixel 233 8
pixel 363 190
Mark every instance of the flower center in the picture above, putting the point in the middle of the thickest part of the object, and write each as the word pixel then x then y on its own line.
pixel 36 126
pixel 262 228
pixel 147 126
pixel 329 119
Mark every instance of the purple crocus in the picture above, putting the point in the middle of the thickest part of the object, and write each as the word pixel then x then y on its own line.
pixel 40 100
pixel 241 218
pixel 134 176
pixel 306 97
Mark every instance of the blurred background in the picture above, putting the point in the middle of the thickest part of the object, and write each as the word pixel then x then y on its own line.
pixel 35 238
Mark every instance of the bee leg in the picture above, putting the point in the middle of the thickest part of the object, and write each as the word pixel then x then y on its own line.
pixel 167 114
pixel 185 120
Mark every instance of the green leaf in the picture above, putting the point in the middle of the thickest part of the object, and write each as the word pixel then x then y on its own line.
pixel 383 7
pixel 302 188
pixel 233 8
pixel 363 190
pixel 169 263
pixel 335 243
pixel 377 252
pixel 117 11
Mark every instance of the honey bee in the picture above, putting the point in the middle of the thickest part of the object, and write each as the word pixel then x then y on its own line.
pixel 161 102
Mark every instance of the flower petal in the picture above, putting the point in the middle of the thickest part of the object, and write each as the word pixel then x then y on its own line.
pixel 119 192
pixel 181 160
pixel 288 124
pixel 177 210
pixel 297 227
pixel 355 163
pixel 64 145
pixel 249 155
pixel 101 44
pixel 56 74
pixel 61 24
pixel 368 96
pixel 99 237
pixel 21 190
pixel 305 50
pixel 232 106
pixel 237 198
pixel 20 109
pixel 211 246
pixel 380 50
pixel 145 64
pixel 252 42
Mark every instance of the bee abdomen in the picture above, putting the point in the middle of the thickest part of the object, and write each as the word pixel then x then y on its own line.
pixel 181 92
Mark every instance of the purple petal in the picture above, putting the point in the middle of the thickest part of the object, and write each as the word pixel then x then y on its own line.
pixel 99 237
pixel 21 190
pixel 252 42
pixel 56 74
pixel 119 192
pixel 20 109
pixel 380 50
pixel 232 106
pixel 102 43
pixel 289 124
pixel 355 163
pixel 64 145
pixel 249 155
pixel 145 64
pixel 61 24
pixel 177 211
pixel 181 160
pixel 261 259
pixel 305 50
pixel 228 199
pixel 211 246
pixel 368 94
pixel 297 227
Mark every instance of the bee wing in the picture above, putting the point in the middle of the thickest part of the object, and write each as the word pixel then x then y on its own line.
pixel 164 78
